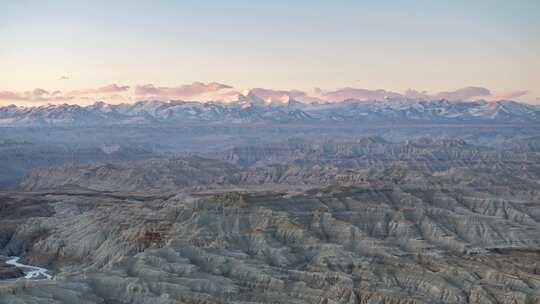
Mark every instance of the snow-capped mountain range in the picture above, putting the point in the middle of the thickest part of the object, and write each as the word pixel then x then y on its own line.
pixel 251 108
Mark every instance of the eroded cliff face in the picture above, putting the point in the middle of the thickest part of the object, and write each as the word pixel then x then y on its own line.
pixel 341 221
pixel 156 175
pixel 302 164
pixel 362 244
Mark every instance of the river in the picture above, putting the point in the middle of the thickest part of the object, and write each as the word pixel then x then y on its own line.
pixel 30 272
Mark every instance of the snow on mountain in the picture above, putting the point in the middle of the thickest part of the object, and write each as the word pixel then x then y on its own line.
pixel 251 108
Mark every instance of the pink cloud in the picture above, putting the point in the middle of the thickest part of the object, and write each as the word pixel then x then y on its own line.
pixel 506 95
pixel 36 95
pixel 226 96
pixel 149 91
pixel 108 89
pixel 41 95
pixel 8 95
pixel 467 93
pixel 360 94
pixel 213 91
pixel 283 95
pixel 464 93
pixel 107 98
pixel 411 93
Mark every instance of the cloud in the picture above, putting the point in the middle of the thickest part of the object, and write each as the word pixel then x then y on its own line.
pixel 108 98
pixel 108 89
pixel 466 93
pixel 411 93
pixel 36 95
pixel 39 95
pixel 186 91
pixel 8 95
pixel 226 96
pixel 214 91
pixel 270 95
pixel 40 92
pixel 506 95
pixel 360 94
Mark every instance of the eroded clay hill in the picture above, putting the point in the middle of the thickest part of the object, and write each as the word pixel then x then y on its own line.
pixel 305 164
pixel 391 244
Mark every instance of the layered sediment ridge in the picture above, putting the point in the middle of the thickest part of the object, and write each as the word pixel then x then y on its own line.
pixel 393 244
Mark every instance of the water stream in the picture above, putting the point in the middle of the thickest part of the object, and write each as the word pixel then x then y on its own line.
pixel 30 272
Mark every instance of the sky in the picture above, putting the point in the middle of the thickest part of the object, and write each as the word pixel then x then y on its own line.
pixel 80 51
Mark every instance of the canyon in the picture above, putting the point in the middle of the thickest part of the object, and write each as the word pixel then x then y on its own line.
pixel 271 213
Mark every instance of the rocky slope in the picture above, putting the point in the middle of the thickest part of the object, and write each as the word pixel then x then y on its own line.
pixel 377 149
pixel 304 164
pixel 18 158
pixel 157 175
pixel 366 220
pixel 334 245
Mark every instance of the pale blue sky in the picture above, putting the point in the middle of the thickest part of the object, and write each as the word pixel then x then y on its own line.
pixel 395 45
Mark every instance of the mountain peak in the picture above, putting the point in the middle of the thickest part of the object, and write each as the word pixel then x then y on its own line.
pixel 250 107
